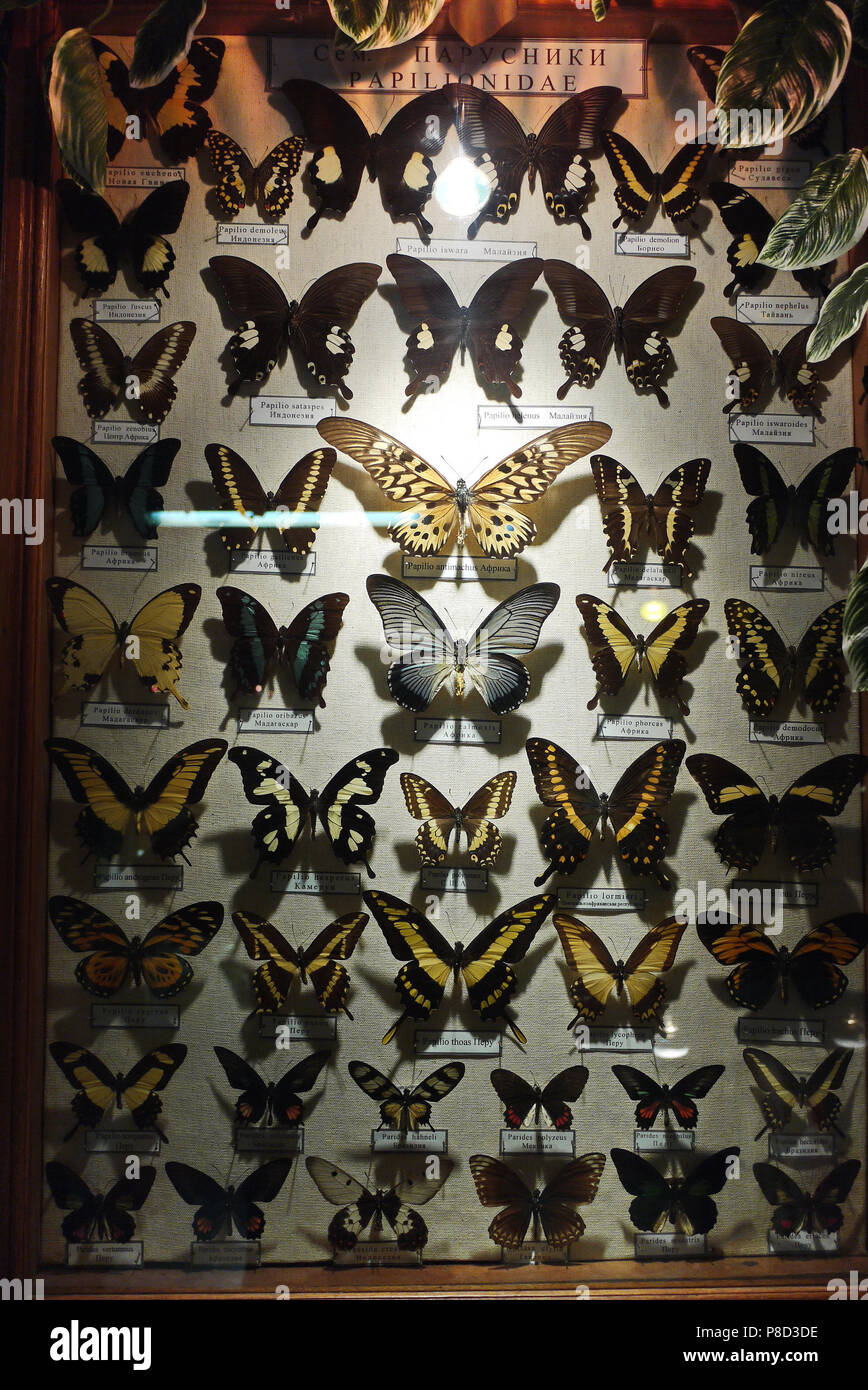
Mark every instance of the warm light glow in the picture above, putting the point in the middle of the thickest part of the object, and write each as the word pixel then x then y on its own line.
pixel 653 610
pixel 461 189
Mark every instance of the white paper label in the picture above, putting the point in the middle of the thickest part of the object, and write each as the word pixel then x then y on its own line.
pixel 796 1031
pixel 630 575
pixel 770 429
pixel 786 732
pixel 646 1141
pixel 456 730
pixel 313 881
pixel 299 1027
pixel 618 1038
pixel 458 567
pixel 804 1243
pixel 455 880
pixel 273 562
pixel 672 245
pixel 668 1245
pixel 457 1042
pixel 460 249
pixel 281 1139
pixel 225 1254
pixel 798 1146
pixel 776 308
pixel 161 878
pixel 769 173
pixel 292 411
pixel 109 714
pixel 791 894
pixel 603 899
pixel 121 1141
pixel 275 721
pixel 126 311
pixel 534 1252
pixel 140 176
pixel 124 432
pixel 531 417
pixel 135 1016
pixel 252 234
pixel 107 1254
pixel 392 1141
pixel 633 726
pixel 538 1141
pixel 377 1252
pixel 804 579
pixel 118 557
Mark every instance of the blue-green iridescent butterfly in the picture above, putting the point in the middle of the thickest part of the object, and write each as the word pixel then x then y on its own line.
pixel 260 644
pixel 95 487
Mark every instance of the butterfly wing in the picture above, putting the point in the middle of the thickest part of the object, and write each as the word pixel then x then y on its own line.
pixel 491 656
pixel 256 637
pixel 637 804
pixel 437 316
pixel 751 360
pixel 262 1185
pixel 255 299
pixel 305 644
pixel 321 961
pixel 341 145
pixel 565 173
pixel 825 481
pixel 318 328
pixel 830 1192
pixel 401 156
pixel 151 1074
pixel 518 1097
pixel 285 804
pixel 486 963
pixel 574 1184
pixel 138 491
pixel 359 783
pixel 636 188
pixel 154 367
pixel 488 804
pixel 672 526
pixel 644 1089
pixel 695 1212
pixel 93 484
pixel 585 345
pixel 665 647
pixel 693 1086
pixel 763 657
pixel 94 634
pixel 238 486
pixel 749 224
pixel 394 1114
pixel 651 1192
pixel 262 941
pixel 706 62
pixel 91 1214
pixel 651 958
pixel 816 960
pixel 412 938
pixel 252 1104
pixel 157 628
pixel 679 195
pixel 806 838
pixel 798 381
pixel 593 967
pixel 567 1085
pixel 792 1204
pixel 781 1090
pixel 183 933
pixel 102 362
pixel 164 813
pixel 146 230
pixel 565 788
pixel 768 512
pixel 175 105
pixel 490 135
pixel 497 1185
pixel 757 971
pixel 91 218
pixel 83 928
pixel 302 490
pixel 653 305
pixel 93 783
pixel 492 338
pixel 197 1189
pixel 338 1188
pixel 239 185
pixel 741 840
pixel 286 1102
pixel 425 803
pixel 90 1078
pixel 613 641
pixel 623 505
pixel 422 652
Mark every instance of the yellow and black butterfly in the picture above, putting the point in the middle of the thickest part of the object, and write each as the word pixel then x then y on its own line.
pixel 319 963
pixel 795 1209
pixel 552 1207
pixel 157 959
pixel 617 647
pixel 140 238
pixel 96 1088
pixel 598 976
pixel 782 1092
pixel 634 808
pixel 101 1216
pixel 475 818
pixel 749 223
pixel 361 1207
pixel 406 1107
pixel 769 666
pixel 488 507
pixel 160 811
pixel 485 962
pixel 806 506
pixel 679 1099
pixel 149 640
pixel 109 372
pixel 628 511
pixel 795 822
pixel 301 490
pixel 684 1202
pixel 638 189
pixel 762 969
pixel 241 184
pixel 171 110
pixel 520 1097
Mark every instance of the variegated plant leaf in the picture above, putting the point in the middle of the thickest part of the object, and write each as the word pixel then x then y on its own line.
pixel 840 316
pixel 855 630
pixel 784 67
pixel 827 217
pixel 163 40
pixel 358 18
pixel 599 9
pixel 76 97
pixel 403 20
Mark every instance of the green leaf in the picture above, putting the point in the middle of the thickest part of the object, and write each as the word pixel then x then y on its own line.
pixel 599 9
pixel 163 40
pixel 358 18
pixel 784 67
pixel 76 97
pixel 840 316
pixel 855 630
pixel 403 20
pixel 827 218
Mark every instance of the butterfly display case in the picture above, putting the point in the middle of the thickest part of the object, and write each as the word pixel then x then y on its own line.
pixel 191 959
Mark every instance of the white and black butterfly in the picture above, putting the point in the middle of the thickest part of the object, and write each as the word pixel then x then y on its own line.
pixel 145 381
pixel 425 656
pixel 361 1207
pixel 760 370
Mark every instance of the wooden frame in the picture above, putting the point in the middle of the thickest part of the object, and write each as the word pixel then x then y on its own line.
pixel 28 302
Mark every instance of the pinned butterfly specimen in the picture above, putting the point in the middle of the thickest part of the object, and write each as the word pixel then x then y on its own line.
pixel 95 487
pixel 260 644
pixel 287 808
pixel 485 328
pixel 425 657
pixel 520 1097
pixel 361 1207
pixel 112 809
pixel 553 1207
pixel 140 238
pixel 440 819
pixel 769 666
pixel 598 976
pixel 221 1208
pixel 97 1215
pixel 595 326
pixel 319 964
pixel 762 969
pixel 638 190
pixel 399 158
pixel 302 490
pixel 171 111
pixel 760 370
pixel 488 507
pixel 782 1092
pixel 678 1100
pixel 145 381
pixel 616 647
pixel 149 640
pixel 664 514
pixel 807 505
pixel 490 135
pixel 635 808
pixel 242 184
pixel 794 823
pixel 97 1088
pixel 749 224
pixel 797 1209
pixel 485 962
pixel 157 959
pixel 277 1102
pixel 684 1202
pixel 406 1107
pixel 315 327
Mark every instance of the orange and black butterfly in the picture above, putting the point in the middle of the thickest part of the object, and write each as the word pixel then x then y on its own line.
pixel 221 1208
pixel 172 110
pixel 684 1202
pixel 475 819
pixel 156 959
pixel 552 1208
pixel 678 1100
pixel 319 963
pixel 597 976
pixel 277 1102
pixel 97 1088
pixel 616 647
pixel 782 1092
pixel 520 1097
pixel 664 514
pixel 769 666
pixel 406 1107
pixel 762 969
pixel 797 1209
pixel 101 1216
